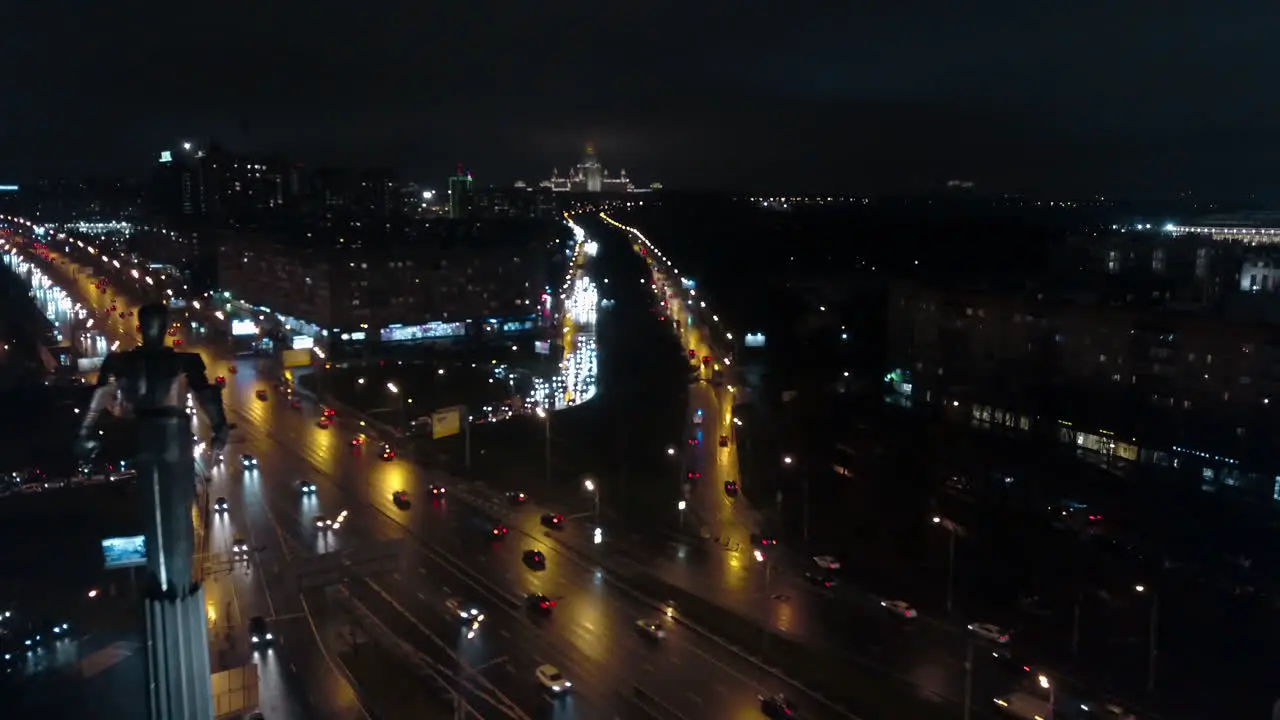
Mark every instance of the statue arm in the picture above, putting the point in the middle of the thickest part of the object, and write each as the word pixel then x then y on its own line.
pixel 209 396
pixel 104 393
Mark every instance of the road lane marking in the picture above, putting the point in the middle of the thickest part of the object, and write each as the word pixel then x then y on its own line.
pixel 695 698
pixel 421 596
pixel 648 667
pixel 504 633
pixel 422 570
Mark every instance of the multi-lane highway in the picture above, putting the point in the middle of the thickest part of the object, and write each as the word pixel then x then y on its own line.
pixel 446 550
pixel 885 665
pixel 926 655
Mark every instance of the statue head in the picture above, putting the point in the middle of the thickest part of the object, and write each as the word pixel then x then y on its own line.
pixel 154 319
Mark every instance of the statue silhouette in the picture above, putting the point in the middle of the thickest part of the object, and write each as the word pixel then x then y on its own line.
pixel 148 386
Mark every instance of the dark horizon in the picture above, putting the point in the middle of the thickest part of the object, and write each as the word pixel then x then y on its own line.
pixel 1088 102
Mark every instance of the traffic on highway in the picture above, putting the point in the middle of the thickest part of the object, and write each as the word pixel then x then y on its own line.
pixel 420 546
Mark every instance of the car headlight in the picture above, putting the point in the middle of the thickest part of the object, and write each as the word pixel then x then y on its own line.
pixel 270 636
pixel 255 638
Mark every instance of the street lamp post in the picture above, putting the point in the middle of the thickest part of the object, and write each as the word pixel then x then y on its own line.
pixel 681 505
pixel 404 413
pixel 1044 683
pixel 593 488
pixel 950 527
pixel 968 677
pixel 1153 636
pixel 546 424
pixel 764 625
pixel 789 461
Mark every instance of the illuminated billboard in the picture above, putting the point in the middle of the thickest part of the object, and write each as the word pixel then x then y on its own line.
pixel 303 342
pixel 123 552
pixel 296 358
pixel 244 327
pixel 430 331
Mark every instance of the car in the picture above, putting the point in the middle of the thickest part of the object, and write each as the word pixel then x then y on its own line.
pixel 325 523
pixel 724 441
pixel 233 369
pixel 693 475
pixel 534 559
pixel 731 488
pixel 697 417
pixel 177 342
pixel 306 487
pixel 329 412
pixel 259 634
pixel 400 498
pixel 553 520
pixel 466 612
pixel 821 577
pixel 651 629
pixel 324 423
pixel 248 462
pixel 260 394
pixel 990 631
pixel 539 603
pixel 777 706
pixel 695 441
pixel 550 678
pixel 764 538
pixel 295 403
pixel 827 562
pixel 437 491
pixel 220 381
pixel 388 454
pixel 516 497
pixel 357 441
pixel 220 505
pixel 900 608
pixel 498 532
pixel 239 548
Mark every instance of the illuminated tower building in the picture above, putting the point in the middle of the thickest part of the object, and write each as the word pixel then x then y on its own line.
pixel 460 193
pixel 592 171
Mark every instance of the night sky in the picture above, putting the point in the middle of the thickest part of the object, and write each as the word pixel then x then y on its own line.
pixel 1070 97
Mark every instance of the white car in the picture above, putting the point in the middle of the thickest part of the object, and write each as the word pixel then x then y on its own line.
pixel 827 561
pixel 239 548
pixel 550 678
pixel 697 418
pixel 994 633
pixel 467 613
pixel 899 607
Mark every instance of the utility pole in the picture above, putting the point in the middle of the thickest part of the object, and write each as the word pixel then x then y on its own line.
pixel 968 679
pixel 1075 626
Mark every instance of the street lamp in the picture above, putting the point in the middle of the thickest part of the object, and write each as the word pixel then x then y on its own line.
pixel 760 557
pixel 546 424
pixel 404 413
pixel 951 529
pixel 788 461
pixel 681 505
pixel 1153 635
pixel 591 487
pixel 1044 683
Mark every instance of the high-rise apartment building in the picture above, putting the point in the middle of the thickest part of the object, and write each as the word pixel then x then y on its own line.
pixel 460 195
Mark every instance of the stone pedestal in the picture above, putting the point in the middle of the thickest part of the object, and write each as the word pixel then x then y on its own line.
pixel 178 680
